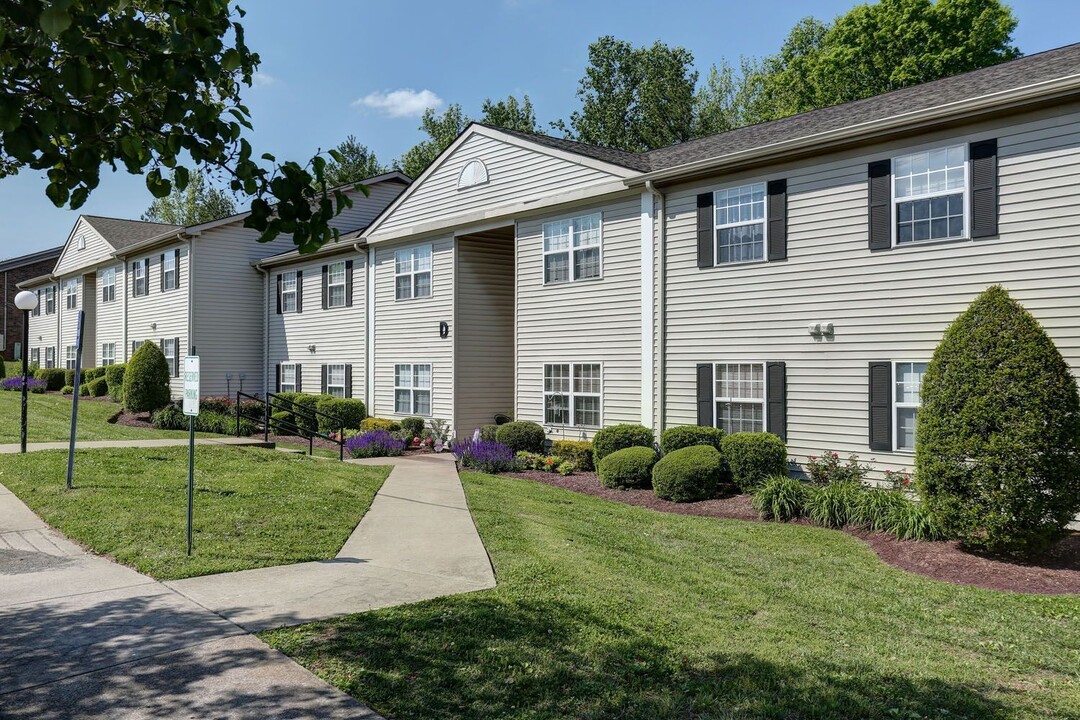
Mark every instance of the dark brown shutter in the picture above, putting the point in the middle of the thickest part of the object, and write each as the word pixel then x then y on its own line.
pixel 176 256
pixel 278 383
pixel 880 212
pixel 705 406
pixel 176 357
pixel 279 294
pixel 706 237
pixel 323 388
pixel 299 291
pixel 348 283
pixel 146 274
pixel 134 283
pixel 984 189
pixel 161 268
pixel 777 224
pixel 776 397
pixel 880 406
pixel 325 289
pixel 348 381
pixel 299 386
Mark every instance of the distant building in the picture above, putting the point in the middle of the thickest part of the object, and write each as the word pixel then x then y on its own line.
pixel 13 272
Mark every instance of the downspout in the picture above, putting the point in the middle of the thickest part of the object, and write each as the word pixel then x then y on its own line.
pixel 661 304
pixel 369 326
pixel 190 296
pixel 266 331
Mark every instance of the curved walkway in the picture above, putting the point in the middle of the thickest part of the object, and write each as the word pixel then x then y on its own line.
pixel 83 637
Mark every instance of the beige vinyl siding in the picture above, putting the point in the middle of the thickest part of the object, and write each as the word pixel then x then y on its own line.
pixel 69 319
pixel 515 175
pixel 366 208
pixel 597 321
pixel 407 331
pixel 167 310
pixel 43 328
pixel 109 320
pixel 484 332
pixel 889 305
pixel 337 333
pixel 73 259
pixel 89 304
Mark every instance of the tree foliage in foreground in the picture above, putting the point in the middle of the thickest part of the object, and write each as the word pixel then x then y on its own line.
pixel 197 203
pixel 148 86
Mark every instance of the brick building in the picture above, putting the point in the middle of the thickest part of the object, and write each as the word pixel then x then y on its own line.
pixel 12 272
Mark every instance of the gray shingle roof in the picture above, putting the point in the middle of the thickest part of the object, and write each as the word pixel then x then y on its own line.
pixel 125 233
pixel 634 161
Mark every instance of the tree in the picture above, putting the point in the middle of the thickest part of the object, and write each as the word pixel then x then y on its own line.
pixel 510 114
pixel 997 451
pixel 634 99
pixel 197 203
pixel 442 130
pixel 149 86
pixel 357 163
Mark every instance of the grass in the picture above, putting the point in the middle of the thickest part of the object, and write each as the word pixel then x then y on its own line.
pixel 253 508
pixel 604 610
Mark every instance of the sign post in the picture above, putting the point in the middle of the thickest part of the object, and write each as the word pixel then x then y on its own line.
pixel 191 409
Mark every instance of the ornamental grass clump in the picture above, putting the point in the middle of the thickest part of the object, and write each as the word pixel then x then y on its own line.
pixel 780 498
pixel 374 443
pixel 484 455
pixel 833 505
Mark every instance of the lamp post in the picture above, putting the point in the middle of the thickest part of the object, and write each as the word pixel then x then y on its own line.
pixel 25 301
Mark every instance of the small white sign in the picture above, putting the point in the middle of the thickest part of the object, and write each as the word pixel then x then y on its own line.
pixel 191 385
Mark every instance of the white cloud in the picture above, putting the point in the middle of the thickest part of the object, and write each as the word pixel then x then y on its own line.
pixel 405 102
pixel 262 80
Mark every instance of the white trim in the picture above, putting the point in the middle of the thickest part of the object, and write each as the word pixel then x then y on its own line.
pixel 717 227
pixel 166 256
pixel 965 191
pixel 296 290
pixel 479 177
pixel 412 388
pixel 894 406
pixel 571 409
pixel 330 284
pixel 344 380
pixel 369 342
pixel 571 249
pixel 103 285
pixel 647 309
pixel 292 366
pixel 764 391
pixel 413 272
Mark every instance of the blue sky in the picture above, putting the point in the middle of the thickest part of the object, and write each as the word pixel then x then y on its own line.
pixel 335 67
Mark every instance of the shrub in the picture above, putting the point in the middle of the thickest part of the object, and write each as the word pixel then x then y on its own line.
pixel 350 411
pixel 93 373
pixel 620 437
pixel 580 452
pixel 834 505
pixel 146 380
pixel 414 426
pixel 69 378
pixel 302 407
pixel 374 423
pixel 876 509
pixel 114 378
pixel 522 435
pixel 997 455
pixel 779 498
pixel 67 390
pixel 677 438
pixel 99 387
pixel 484 455
pixel 281 422
pixel 529 460
pixel 826 469
pixel 374 443
pixel 914 521
pixel 752 457
pixel 688 474
pixel 3 368
pixel 52 377
pixel 488 432
pixel 566 468
pixel 217 405
pixel 84 390
pixel 627 468
pixel 170 417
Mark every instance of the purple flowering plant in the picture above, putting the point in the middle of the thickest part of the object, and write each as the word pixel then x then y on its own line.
pixel 484 455
pixel 375 443
pixel 15 383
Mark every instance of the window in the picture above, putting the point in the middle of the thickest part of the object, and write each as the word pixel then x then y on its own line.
pixel 71 294
pixel 740 224
pixel 138 275
pixel 69 357
pixel 572 394
pixel 740 397
pixel 168 271
pixel 907 388
pixel 288 293
pixel 50 357
pixel 412 389
pixel 108 353
pixel 50 300
pixel 335 285
pixel 335 379
pixel 930 195
pixel 35 356
pixel 474 173
pixel 108 285
pixel 40 301
pixel 17 350
pixel 288 378
pixel 412 273
pixel 168 347
pixel 572 249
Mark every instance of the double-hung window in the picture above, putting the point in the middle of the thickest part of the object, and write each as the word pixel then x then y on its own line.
pixel 572 249
pixel 138 279
pixel 907 388
pixel 50 358
pixel 168 348
pixel 288 378
pixel 412 273
pixel 335 380
pixel 739 396
pixel 412 389
pixel 71 294
pixel 35 356
pixel 335 285
pixel 69 357
pixel 168 271
pixel 288 293
pixel 930 195
pixel 108 285
pixel 572 394
pixel 740 224
pixel 108 353
pixel 50 300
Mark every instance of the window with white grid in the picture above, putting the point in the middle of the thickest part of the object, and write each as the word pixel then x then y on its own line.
pixel 412 273
pixel 335 380
pixel 740 224
pixel 71 294
pixel 288 293
pixel 50 357
pixel 168 271
pixel 740 397
pixel 168 348
pixel 138 279
pixel 572 249
pixel 288 378
pixel 412 389
pixel 907 391
pixel 108 353
pixel 108 285
pixel 930 195
pixel 50 300
pixel 335 285
pixel 70 353
pixel 572 394
pixel 35 356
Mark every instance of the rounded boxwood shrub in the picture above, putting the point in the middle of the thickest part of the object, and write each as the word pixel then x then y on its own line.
pixel 688 474
pixel 349 410
pixel 69 378
pixel 997 453
pixel 751 457
pixel 619 437
pixel 677 438
pixel 114 378
pixel 281 422
pixel 52 377
pixel 489 432
pixel 93 373
pixel 98 387
pixel 627 468
pixel 84 390
pixel 522 436
pixel 146 380
pixel 414 426
pixel 67 390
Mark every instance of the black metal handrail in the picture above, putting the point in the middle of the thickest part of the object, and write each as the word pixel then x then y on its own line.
pixel 310 415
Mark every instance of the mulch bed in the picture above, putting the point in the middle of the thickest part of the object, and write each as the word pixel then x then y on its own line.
pixel 1057 573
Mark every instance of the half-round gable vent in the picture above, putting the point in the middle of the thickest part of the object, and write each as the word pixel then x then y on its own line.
pixel 474 173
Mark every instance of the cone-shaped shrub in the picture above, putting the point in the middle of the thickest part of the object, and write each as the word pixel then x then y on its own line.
pixel 997 455
pixel 146 379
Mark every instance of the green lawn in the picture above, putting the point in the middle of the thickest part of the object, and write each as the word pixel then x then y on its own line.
pixel 253 507
pixel 609 611
pixel 49 420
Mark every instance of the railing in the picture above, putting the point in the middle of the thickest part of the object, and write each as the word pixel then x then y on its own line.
pixel 306 426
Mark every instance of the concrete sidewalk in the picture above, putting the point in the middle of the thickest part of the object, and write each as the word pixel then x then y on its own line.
pixel 148 443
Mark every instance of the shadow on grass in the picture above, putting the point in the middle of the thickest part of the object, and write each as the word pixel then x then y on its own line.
pixel 484 658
